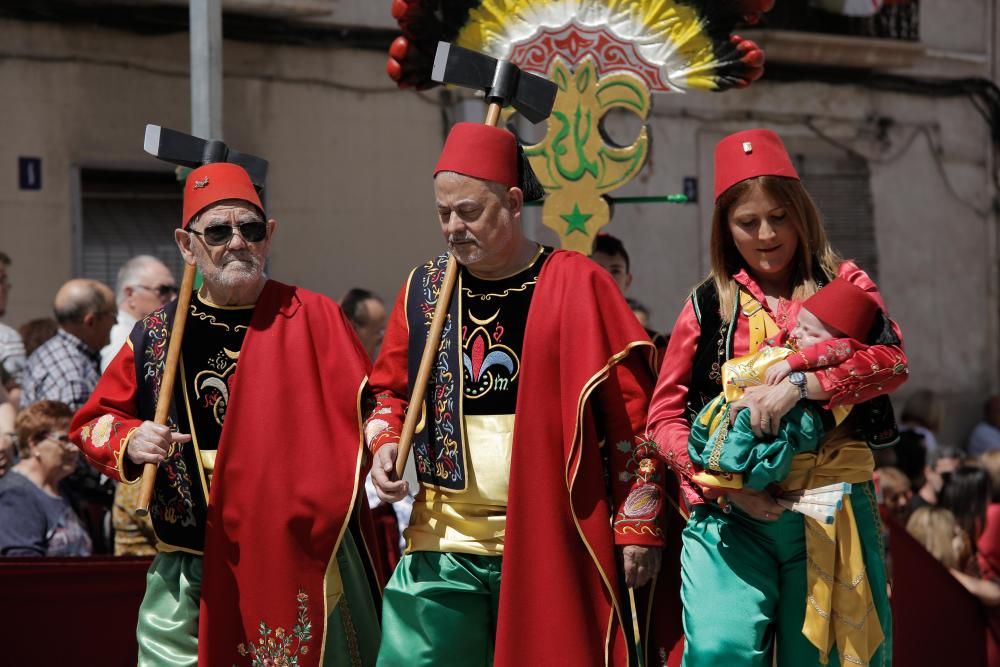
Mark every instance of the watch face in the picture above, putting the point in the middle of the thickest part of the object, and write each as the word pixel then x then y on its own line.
pixel 797 378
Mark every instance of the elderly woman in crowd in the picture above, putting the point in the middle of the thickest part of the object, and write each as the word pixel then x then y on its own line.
pixel 34 519
pixel 746 585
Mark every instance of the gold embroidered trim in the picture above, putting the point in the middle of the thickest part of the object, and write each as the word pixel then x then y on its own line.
pixel 206 317
pixel 350 632
pixel 488 296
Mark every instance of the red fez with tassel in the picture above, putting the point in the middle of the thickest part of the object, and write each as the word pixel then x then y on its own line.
pixel 215 182
pixel 749 154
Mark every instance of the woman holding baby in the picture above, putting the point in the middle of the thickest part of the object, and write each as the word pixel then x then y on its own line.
pixel 760 581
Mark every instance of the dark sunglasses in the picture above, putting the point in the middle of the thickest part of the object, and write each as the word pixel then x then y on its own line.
pixel 162 291
pixel 252 232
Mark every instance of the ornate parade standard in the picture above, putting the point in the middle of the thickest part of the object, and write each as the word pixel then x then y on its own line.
pixel 602 55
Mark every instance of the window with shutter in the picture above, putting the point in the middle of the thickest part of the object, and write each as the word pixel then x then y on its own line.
pixel 841 187
pixel 124 214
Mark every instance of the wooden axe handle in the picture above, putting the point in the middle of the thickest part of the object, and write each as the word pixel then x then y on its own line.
pixel 167 386
pixel 415 404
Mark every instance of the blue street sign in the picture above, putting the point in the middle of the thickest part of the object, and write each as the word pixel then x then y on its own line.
pixel 29 173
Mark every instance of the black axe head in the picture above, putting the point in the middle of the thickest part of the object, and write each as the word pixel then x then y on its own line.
pixel 189 151
pixel 503 81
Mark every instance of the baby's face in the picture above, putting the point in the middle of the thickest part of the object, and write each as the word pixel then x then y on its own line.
pixel 809 330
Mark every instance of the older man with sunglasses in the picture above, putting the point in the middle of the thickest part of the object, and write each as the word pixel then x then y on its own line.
pixel 261 536
pixel 144 284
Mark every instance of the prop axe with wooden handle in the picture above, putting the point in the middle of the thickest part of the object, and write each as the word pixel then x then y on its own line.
pixel 505 85
pixel 186 151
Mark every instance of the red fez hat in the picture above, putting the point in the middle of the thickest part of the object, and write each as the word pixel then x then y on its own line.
pixel 845 307
pixel 480 151
pixel 215 182
pixel 748 154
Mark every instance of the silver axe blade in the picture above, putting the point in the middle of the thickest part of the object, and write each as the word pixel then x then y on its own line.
pixel 501 80
pixel 189 151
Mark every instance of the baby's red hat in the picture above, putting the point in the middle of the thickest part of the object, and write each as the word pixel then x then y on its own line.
pixel 845 307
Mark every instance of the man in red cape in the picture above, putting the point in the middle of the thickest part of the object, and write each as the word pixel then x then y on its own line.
pixel 526 452
pixel 258 505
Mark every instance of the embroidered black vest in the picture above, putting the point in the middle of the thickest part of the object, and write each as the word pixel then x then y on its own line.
pixel 478 359
pixel 179 505
pixel 180 497
pixel 874 419
pixel 440 457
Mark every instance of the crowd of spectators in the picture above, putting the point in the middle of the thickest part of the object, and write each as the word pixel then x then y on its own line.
pixel 53 503
pixel 948 497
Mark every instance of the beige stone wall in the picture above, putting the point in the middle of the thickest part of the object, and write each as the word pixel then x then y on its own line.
pixel 350 170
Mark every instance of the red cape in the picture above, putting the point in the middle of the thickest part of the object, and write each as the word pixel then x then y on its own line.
pixel 288 480
pixel 561 594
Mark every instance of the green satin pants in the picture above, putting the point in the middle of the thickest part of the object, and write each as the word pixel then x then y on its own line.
pixel 168 617
pixel 440 609
pixel 743 586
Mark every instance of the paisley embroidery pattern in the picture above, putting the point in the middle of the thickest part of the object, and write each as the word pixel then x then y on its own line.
pixel 174 504
pixel 638 514
pixel 439 454
pixel 155 325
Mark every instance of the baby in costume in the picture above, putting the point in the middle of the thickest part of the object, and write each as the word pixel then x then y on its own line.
pixel 830 328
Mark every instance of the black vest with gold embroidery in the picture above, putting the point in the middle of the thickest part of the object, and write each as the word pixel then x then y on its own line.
pixel 212 341
pixel 478 361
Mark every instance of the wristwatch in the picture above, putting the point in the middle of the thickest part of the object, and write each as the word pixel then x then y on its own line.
pixel 798 379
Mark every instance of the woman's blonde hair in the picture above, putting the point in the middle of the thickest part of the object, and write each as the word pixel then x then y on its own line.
pixel 813 257
pixel 936 529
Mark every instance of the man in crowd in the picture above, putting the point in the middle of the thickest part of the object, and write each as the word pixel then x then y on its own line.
pixel 11 363
pixel 540 362
pixel 65 368
pixel 271 561
pixel 367 314
pixel 12 356
pixel 609 252
pixel 144 285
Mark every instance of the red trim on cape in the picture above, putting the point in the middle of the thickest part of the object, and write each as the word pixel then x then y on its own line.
pixel 560 561
pixel 290 473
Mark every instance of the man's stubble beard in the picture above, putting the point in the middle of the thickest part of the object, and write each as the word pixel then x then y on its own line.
pixel 235 272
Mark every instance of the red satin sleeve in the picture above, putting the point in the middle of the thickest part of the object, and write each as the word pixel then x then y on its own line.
pixel 636 473
pixel 667 424
pixel 102 427
pixel 876 370
pixel 389 380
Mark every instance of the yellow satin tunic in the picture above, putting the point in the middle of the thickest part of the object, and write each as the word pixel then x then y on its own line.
pixel 472 521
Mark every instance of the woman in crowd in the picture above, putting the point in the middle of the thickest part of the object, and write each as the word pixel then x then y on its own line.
pixel 966 494
pixel 745 579
pixel 34 519
pixel 938 531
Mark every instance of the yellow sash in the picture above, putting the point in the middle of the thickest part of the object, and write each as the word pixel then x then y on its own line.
pixel 836 580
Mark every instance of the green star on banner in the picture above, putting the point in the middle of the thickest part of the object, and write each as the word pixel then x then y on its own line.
pixel 576 221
